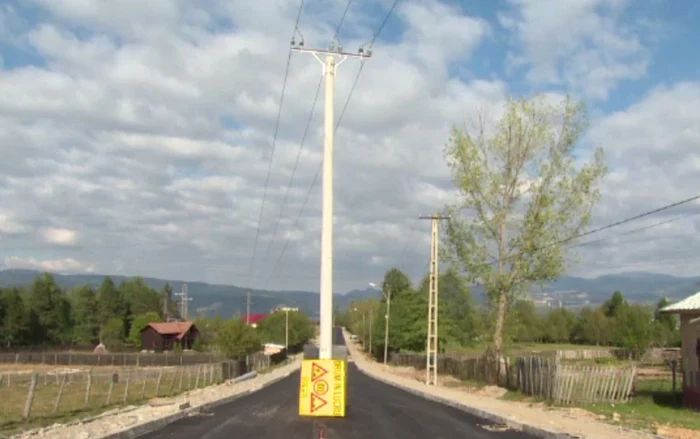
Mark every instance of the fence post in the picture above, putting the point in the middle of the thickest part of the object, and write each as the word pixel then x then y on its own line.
pixel 30 396
pixel 143 388
pixel 126 386
pixel 111 387
pixel 60 394
pixel 172 383
pixel 179 387
pixel 196 381
pixel 88 387
pixel 160 377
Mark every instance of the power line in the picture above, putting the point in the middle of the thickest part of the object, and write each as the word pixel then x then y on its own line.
pixel 599 229
pixel 294 169
pixel 342 19
pixel 639 229
pixel 274 144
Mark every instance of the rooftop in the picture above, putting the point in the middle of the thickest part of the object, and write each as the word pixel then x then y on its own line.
pixel 171 328
pixel 691 303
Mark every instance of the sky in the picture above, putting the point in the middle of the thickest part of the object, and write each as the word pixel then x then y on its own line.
pixel 135 137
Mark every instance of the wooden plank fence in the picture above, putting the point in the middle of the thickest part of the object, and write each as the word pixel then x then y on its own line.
pixel 539 376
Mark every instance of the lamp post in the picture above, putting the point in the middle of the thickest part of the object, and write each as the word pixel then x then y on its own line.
pixel 286 324
pixel 386 320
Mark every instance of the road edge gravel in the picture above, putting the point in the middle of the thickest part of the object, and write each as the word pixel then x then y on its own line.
pixel 156 424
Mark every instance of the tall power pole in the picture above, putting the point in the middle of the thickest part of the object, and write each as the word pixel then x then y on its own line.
pixel 247 308
pixel 184 300
pixel 332 58
pixel 431 350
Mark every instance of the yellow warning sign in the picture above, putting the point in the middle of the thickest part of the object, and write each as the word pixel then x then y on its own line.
pixel 322 390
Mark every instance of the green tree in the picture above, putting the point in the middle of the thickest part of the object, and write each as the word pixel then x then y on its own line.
pixel 15 322
pixel 85 315
pixel 521 194
pixel 559 325
pixel 140 322
pixel 613 305
pixel 236 339
pixel 110 301
pixel 112 332
pixel 634 328
pixel 527 324
pixel 396 282
pixel 51 309
pixel 139 297
pixel 272 328
pixel 593 327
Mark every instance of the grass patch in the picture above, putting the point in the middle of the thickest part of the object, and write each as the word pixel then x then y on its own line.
pixel 654 403
pixel 143 384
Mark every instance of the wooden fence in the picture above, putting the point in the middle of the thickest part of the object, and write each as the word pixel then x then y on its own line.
pixel 539 376
pixel 123 359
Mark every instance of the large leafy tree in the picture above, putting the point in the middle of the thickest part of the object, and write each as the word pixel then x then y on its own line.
pixel 15 319
pixel 272 328
pixel 85 314
pixel 236 339
pixel 522 195
pixel 139 297
pixel 110 301
pixel 51 310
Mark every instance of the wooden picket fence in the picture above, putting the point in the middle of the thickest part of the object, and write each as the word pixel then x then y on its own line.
pixel 543 377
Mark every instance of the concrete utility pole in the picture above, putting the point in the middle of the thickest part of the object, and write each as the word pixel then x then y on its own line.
pixel 432 342
pixel 286 324
pixel 184 301
pixel 334 57
pixel 386 324
pixel 247 308
pixel 370 332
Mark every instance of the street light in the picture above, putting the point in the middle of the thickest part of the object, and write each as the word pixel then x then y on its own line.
pixel 286 324
pixel 386 319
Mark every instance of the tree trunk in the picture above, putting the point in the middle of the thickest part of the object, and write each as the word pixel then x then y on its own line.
pixel 500 320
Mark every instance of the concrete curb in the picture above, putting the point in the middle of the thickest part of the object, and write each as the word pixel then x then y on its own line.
pixel 156 424
pixel 489 416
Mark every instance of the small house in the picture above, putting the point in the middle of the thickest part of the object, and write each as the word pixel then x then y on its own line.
pixel 689 311
pixel 164 336
pixel 254 319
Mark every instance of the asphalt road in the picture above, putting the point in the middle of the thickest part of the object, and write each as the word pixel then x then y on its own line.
pixel 375 411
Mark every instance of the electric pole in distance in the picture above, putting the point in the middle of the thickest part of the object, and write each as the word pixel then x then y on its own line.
pixel 431 350
pixel 330 59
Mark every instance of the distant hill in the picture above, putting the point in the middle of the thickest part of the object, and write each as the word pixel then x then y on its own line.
pixel 207 299
pixel 227 300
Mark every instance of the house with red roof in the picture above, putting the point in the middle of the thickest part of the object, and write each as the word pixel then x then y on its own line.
pixel 164 336
pixel 254 319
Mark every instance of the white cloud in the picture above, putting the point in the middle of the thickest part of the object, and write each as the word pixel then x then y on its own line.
pixel 66 265
pixel 60 236
pixel 9 226
pixel 582 44
pixel 146 135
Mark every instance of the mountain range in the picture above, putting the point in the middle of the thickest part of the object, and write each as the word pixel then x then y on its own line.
pixel 227 300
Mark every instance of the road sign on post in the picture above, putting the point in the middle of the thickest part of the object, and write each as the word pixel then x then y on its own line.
pixel 323 388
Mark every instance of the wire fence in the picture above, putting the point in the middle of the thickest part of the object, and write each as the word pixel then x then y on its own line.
pixel 28 395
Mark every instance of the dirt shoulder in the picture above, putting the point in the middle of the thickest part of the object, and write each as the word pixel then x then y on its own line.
pixel 575 422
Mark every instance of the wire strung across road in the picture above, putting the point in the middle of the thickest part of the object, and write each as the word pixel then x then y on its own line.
pixel 340 118
pixel 274 144
pixel 294 169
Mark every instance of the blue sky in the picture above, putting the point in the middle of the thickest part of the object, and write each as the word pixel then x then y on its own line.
pixel 135 140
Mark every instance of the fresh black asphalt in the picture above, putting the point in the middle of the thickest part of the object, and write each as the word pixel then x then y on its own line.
pixel 374 410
